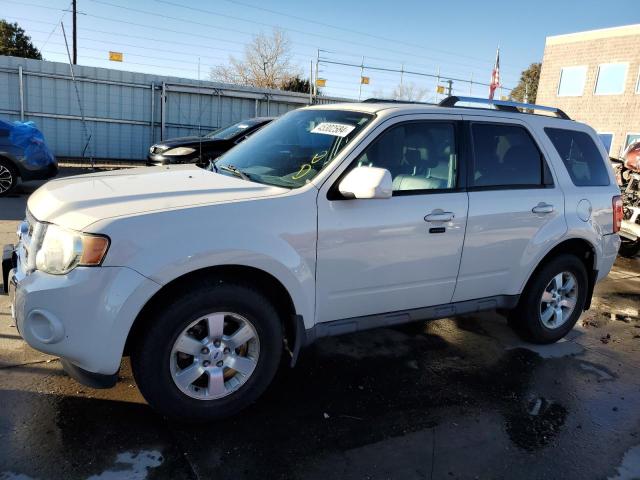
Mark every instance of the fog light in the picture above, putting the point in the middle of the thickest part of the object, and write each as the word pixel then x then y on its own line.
pixel 44 326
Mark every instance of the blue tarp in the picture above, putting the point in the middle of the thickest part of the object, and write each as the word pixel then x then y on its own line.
pixel 26 136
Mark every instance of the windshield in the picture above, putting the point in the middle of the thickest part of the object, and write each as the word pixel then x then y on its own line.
pixel 292 150
pixel 232 130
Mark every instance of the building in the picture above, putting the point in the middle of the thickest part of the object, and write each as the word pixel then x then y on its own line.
pixel 594 77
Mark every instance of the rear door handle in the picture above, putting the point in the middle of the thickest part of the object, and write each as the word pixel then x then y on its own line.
pixel 439 216
pixel 542 208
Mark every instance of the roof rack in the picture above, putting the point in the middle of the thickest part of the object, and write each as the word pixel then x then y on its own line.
pixel 504 105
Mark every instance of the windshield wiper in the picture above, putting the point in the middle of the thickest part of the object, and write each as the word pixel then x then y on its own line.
pixel 235 170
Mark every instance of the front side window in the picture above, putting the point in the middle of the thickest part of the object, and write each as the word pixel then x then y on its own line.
pixel 420 156
pixel 580 156
pixel 506 156
pixel 572 81
pixel 611 78
pixel 291 151
pixel 606 139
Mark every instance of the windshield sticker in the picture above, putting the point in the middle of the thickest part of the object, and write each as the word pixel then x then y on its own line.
pixel 335 129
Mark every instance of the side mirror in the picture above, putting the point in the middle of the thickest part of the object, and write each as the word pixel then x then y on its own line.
pixel 367 182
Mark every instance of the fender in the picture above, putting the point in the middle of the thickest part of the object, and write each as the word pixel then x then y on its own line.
pixel 229 234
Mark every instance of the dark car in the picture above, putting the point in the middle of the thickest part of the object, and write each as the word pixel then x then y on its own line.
pixel 24 155
pixel 201 150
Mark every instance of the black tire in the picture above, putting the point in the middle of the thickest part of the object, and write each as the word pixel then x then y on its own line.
pixel 7 168
pixel 629 248
pixel 154 344
pixel 526 317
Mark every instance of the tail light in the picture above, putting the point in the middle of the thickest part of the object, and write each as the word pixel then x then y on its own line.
pixel 617 213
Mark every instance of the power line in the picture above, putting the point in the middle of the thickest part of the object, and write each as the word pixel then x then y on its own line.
pixel 382 69
pixel 220 14
pixel 154 27
pixel 350 30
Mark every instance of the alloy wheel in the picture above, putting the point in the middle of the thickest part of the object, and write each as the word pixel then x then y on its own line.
pixel 215 355
pixel 6 179
pixel 558 300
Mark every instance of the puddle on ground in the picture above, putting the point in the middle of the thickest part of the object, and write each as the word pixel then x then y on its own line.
pixel 602 373
pixel 535 424
pixel 131 465
pixel 629 469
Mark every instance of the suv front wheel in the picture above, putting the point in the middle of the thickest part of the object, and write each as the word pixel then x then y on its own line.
pixel 552 301
pixel 208 354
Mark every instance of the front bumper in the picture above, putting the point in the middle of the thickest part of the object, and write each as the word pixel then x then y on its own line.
pixel 83 317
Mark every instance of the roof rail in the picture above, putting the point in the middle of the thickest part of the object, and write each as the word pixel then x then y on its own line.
pixel 390 100
pixel 504 105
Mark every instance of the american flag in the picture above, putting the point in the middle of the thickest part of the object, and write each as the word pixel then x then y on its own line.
pixel 495 76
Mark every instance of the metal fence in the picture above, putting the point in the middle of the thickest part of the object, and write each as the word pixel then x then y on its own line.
pixel 125 112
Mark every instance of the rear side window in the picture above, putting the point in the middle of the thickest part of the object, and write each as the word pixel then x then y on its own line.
pixel 580 156
pixel 4 133
pixel 506 156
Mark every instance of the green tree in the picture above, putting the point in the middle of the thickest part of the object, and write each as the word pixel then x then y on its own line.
pixel 296 84
pixel 14 42
pixel 528 84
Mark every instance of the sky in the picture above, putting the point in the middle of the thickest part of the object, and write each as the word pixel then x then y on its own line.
pixel 454 39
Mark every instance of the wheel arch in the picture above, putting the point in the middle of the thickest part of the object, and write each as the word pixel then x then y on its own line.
pixel 581 248
pixel 265 282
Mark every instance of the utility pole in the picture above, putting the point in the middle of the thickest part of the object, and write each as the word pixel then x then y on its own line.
pixel 311 83
pixel 315 83
pixel 75 32
pixel 361 73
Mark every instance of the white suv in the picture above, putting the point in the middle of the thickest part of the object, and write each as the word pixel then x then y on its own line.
pixel 330 220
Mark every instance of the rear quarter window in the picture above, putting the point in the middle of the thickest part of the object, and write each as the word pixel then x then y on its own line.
pixel 580 156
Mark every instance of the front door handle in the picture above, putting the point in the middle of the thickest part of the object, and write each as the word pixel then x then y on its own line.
pixel 439 216
pixel 542 208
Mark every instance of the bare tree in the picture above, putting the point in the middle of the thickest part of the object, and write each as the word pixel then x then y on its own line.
pixel 266 63
pixel 410 92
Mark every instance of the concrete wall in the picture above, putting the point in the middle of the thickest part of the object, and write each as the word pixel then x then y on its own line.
pixel 617 114
pixel 124 110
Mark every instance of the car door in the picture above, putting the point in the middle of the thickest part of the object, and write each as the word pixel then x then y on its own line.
pixel 387 255
pixel 516 209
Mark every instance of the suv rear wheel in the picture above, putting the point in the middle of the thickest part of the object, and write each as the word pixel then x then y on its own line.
pixel 209 353
pixel 552 301
pixel 8 177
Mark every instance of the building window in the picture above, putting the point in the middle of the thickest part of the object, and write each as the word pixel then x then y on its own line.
pixel 631 138
pixel 638 83
pixel 572 81
pixel 607 140
pixel 611 78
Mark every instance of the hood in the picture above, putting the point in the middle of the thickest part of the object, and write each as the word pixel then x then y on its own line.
pixel 187 141
pixel 77 202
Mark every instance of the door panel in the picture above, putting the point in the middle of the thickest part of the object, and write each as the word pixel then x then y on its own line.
pixel 516 210
pixel 503 237
pixel 377 256
pixel 384 255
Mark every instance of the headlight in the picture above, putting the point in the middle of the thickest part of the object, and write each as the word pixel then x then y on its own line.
pixel 180 151
pixel 158 149
pixel 63 250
